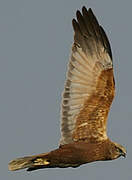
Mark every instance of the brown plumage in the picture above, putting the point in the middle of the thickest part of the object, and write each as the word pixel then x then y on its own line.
pixel 88 94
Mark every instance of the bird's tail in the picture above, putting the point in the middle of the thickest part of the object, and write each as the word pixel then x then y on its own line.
pixel 30 162
pixel 61 157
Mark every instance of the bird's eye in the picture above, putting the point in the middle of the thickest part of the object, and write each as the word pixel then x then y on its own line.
pixel 119 150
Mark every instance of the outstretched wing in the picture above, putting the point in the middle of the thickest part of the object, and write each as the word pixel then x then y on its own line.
pixel 89 87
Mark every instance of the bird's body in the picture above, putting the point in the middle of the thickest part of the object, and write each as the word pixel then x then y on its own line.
pixel 87 97
pixel 76 154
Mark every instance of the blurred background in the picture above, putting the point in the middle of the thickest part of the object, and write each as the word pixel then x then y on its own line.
pixel 35 44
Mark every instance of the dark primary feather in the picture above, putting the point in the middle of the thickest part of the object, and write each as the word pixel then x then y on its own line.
pixel 88 27
pixel 106 42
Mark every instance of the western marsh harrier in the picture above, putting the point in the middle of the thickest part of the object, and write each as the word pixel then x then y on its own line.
pixel 88 93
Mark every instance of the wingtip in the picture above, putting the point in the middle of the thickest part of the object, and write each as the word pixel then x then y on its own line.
pixel 78 13
pixel 74 23
pixel 91 11
pixel 84 9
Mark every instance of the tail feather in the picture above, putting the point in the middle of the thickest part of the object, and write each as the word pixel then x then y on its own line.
pixel 30 162
pixel 20 163
pixel 61 158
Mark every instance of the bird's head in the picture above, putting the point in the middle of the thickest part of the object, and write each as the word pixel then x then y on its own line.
pixel 117 151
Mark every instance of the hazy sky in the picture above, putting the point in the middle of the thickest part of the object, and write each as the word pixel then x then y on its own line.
pixel 35 42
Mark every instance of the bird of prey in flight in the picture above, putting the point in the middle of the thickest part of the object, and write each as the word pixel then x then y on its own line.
pixel 88 94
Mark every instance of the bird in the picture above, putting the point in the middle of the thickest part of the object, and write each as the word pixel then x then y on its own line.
pixel 86 100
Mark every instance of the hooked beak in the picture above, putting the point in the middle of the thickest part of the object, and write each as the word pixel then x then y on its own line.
pixel 123 154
